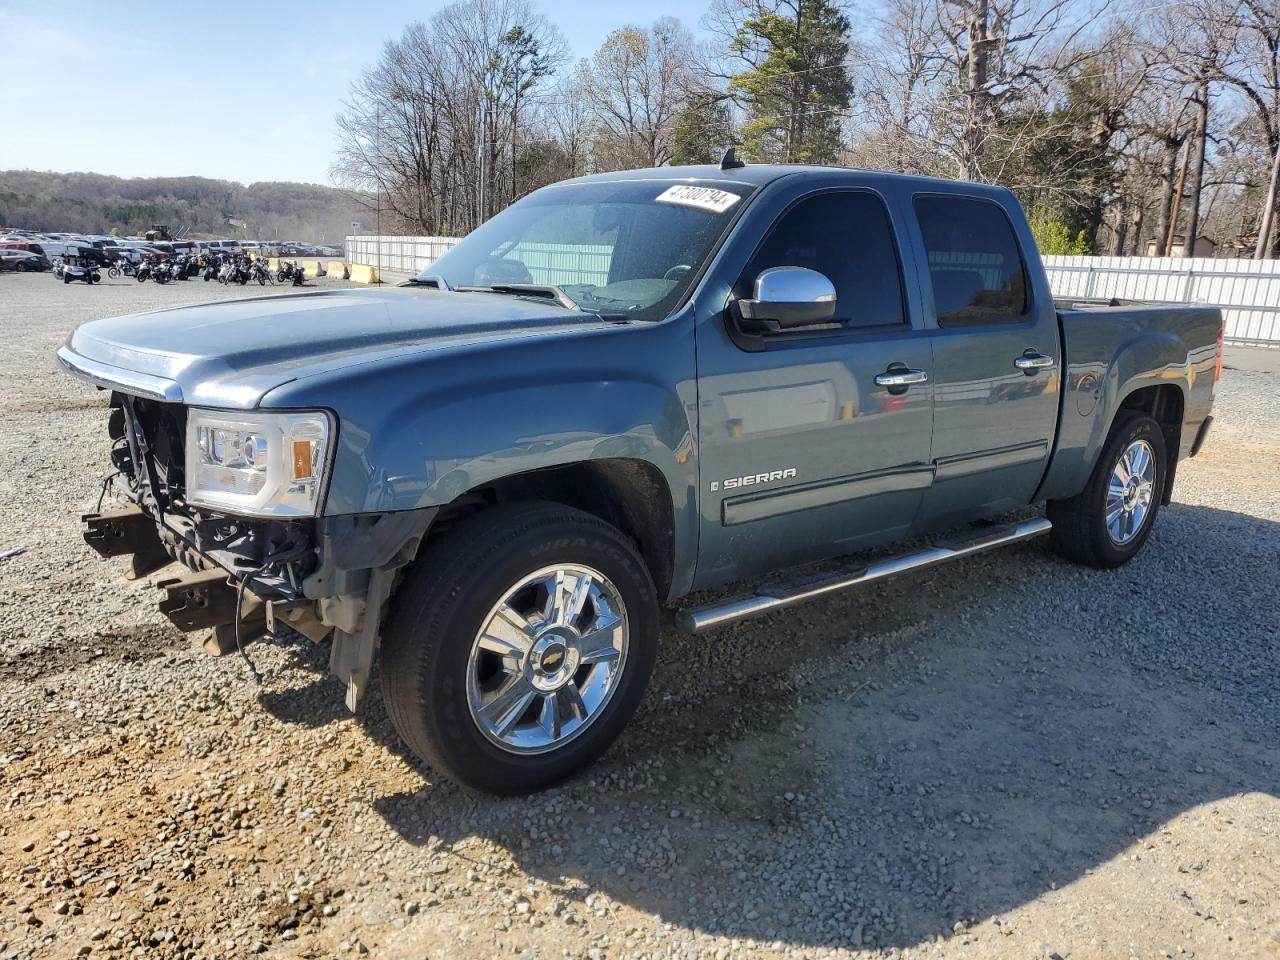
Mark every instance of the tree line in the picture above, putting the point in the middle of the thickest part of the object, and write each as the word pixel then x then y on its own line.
pixel 195 207
pixel 1125 126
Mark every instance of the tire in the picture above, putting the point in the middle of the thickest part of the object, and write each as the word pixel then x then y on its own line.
pixel 1080 524
pixel 113 273
pixel 19 268
pixel 65 278
pixel 432 664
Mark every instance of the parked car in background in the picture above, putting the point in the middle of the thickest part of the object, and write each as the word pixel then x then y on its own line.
pixel 114 252
pixel 29 246
pixel 23 261
pixel 328 251
pixel 52 248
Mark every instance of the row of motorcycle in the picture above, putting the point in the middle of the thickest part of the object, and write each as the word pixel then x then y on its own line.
pixel 223 267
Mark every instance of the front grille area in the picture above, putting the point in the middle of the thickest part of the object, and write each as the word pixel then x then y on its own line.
pixel 159 445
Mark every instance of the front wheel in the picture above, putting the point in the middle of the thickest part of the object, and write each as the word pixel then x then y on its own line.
pixel 113 272
pixel 519 645
pixel 1108 523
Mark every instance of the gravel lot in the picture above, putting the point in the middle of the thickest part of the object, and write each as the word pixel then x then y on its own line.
pixel 1008 757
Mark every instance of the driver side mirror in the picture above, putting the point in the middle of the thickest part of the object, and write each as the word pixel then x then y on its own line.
pixel 787 297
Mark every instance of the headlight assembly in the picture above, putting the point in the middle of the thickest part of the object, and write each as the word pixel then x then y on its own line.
pixel 261 464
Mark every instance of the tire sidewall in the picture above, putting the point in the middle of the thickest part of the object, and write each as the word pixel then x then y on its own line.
pixel 1138 427
pixel 442 679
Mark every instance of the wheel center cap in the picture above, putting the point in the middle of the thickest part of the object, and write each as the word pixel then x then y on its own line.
pixel 552 658
pixel 1132 493
pixel 552 662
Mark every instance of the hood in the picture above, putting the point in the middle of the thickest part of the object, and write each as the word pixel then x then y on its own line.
pixel 231 353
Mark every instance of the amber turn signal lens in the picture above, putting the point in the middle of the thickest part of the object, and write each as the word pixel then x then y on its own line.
pixel 301 459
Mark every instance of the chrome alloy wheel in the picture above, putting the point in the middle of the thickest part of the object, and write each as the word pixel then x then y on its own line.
pixel 1130 491
pixel 547 659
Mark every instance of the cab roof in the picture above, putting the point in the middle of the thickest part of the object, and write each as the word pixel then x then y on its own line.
pixel 762 174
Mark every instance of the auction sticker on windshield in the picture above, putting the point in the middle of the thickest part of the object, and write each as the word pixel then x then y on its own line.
pixel 704 198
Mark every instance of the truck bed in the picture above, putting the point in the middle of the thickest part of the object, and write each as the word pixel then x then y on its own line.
pixel 1110 350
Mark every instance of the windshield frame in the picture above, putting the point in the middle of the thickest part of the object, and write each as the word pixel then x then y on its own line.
pixel 746 190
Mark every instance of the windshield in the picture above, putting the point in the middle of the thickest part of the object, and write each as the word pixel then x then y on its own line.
pixel 622 247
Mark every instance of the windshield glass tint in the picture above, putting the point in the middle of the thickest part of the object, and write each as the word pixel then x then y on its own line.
pixel 627 247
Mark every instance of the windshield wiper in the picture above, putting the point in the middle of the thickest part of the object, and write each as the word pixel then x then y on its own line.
pixel 547 290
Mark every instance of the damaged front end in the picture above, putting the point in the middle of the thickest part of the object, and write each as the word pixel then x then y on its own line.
pixel 248 575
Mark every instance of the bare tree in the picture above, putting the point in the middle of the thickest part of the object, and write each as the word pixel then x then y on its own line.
pixel 435 128
pixel 1254 72
pixel 637 85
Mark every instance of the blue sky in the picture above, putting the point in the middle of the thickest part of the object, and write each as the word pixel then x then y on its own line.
pixel 242 91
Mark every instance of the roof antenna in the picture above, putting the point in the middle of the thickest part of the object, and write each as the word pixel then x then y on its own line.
pixel 730 160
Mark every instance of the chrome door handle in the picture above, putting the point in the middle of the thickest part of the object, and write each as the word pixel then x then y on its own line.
pixel 1034 361
pixel 901 378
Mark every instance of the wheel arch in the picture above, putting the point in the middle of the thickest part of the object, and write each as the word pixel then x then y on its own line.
pixel 1165 403
pixel 630 494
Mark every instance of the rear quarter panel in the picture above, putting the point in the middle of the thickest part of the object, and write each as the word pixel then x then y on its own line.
pixel 1110 353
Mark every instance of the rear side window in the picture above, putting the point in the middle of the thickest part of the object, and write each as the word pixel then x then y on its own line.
pixel 845 235
pixel 976 270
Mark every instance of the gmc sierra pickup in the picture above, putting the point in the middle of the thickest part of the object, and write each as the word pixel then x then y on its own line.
pixel 621 390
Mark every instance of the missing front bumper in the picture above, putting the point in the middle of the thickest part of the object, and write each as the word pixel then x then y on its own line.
pixel 119 533
pixel 203 599
pixel 330 577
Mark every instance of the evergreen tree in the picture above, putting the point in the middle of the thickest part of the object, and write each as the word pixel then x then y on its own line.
pixel 703 131
pixel 1063 161
pixel 797 88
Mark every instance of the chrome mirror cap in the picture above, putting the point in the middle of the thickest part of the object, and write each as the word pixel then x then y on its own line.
pixel 791 297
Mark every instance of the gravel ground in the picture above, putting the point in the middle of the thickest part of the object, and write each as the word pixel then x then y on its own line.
pixel 1008 757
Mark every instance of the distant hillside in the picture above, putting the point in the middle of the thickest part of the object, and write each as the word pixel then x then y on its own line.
pixel 198 207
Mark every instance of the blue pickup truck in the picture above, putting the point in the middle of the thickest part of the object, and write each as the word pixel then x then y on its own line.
pixel 620 391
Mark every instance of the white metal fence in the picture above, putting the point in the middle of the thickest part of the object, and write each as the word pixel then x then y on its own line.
pixel 397 254
pixel 1247 291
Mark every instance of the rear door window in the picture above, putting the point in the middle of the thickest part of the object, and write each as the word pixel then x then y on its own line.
pixel 975 267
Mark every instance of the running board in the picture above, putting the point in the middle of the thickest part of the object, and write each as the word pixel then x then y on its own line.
pixel 718 614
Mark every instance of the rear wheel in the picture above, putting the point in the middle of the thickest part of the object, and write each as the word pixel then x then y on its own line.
pixel 1108 523
pixel 519 645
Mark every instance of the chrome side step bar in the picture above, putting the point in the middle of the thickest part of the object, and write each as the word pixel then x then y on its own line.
pixel 722 612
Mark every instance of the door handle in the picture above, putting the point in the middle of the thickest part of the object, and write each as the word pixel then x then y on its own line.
pixel 901 378
pixel 1031 362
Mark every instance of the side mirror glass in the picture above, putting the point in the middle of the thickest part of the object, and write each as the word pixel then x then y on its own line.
pixel 787 297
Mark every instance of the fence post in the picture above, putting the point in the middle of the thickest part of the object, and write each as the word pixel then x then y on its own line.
pixel 1088 284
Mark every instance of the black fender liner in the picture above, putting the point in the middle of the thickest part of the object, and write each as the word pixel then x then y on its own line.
pixel 360 557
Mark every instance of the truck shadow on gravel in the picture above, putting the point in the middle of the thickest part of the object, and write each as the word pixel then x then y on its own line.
pixel 875 769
